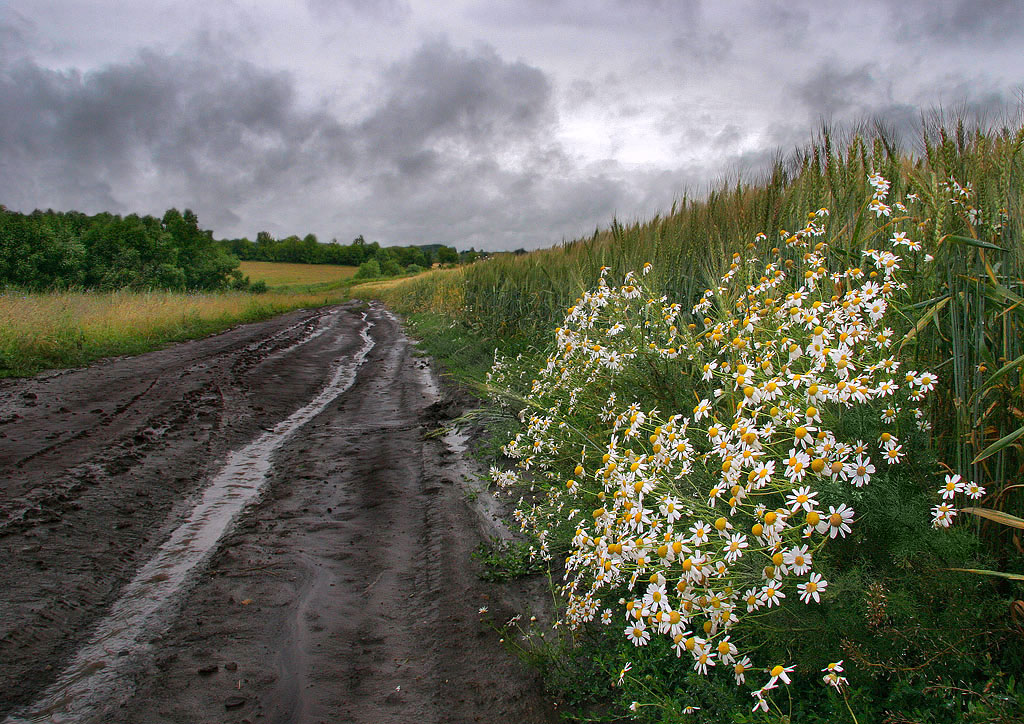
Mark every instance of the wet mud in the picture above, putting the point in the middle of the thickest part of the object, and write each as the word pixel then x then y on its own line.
pixel 250 527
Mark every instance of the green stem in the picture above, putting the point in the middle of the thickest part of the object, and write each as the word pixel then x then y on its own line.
pixel 849 709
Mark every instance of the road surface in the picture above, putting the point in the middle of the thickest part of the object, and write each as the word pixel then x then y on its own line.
pixel 249 527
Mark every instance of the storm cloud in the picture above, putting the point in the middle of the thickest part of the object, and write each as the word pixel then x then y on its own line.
pixel 494 125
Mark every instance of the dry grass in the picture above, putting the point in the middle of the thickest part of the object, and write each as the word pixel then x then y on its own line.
pixel 45 331
pixel 437 290
pixel 277 274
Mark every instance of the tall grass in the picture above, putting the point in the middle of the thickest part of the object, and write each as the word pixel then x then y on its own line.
pixel 43 331
pixel 967 317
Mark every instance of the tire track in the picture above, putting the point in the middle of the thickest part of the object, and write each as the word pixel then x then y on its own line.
pixel 95 682
pixel 83 515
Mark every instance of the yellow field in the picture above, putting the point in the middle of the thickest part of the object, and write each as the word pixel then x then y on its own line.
pixel 46 331
pixel 277 274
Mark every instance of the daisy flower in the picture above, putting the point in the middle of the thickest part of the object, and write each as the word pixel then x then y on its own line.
pixel 780 673
pixel 862 471
pixel 837 522
pixel 814 586
pixel 799 559
pixel 772 595
pixel 801 498
pixel 638 634
pixel 953 485
pixel 739 670
pixel 942 515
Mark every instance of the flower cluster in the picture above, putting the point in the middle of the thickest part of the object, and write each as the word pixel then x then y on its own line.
pixel 695 519
pixel 944 512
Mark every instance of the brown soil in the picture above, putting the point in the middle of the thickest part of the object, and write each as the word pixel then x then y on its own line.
pixel 345 593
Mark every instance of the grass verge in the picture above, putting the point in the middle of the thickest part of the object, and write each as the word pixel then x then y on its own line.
pixel 69 329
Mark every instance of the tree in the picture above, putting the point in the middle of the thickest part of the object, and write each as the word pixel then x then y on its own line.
pixel 368 270
pixel 447 255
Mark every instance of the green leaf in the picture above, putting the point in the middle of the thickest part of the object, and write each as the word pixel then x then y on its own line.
pixel 925 319
pixel 974 242
pixel 999 374
pixel 999 445
pixel 927 302
pixel 983 572
pixel 997 515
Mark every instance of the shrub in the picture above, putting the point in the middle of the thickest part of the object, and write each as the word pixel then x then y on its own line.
pixel 368 270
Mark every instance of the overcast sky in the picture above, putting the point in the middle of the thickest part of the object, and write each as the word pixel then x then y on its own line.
pixel 495 125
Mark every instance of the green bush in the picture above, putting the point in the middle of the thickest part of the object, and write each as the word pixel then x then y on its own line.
pixel 368 270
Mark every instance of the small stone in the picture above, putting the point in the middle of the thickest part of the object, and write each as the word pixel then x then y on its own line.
pixel 208 669
pixel 231 666
pixel 234 702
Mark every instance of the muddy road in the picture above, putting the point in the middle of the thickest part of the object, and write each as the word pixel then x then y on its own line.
pixel 250 527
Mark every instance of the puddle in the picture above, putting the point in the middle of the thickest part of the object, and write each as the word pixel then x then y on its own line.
pixel 98 678
pixel 470 477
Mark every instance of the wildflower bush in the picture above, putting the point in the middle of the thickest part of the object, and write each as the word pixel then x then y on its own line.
pixel 686 526
pixel 919 640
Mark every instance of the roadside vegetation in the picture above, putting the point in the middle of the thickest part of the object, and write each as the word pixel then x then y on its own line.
pixel 68 329
pixel 771 444
pixel 75 288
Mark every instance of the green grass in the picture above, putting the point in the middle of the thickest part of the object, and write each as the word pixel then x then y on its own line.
pixel 507 560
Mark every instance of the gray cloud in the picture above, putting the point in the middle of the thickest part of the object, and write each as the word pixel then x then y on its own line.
pixel 961 21
pixel 702 47
pixel 443 94
pixel 390 11
pixel 607 15
pixel 488 124
pixel 865 96
pixel 835 90
pixel 209 131
pixel 232 142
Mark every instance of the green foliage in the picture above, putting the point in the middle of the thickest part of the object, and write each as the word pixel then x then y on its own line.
pixel 390 268
pixel 51 250
pixel 368 270
pixel 55 250
pixel 505 560
pixel 447 255
pixel 309 250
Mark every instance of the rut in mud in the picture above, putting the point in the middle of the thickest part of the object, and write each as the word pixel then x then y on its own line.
pixel 141 589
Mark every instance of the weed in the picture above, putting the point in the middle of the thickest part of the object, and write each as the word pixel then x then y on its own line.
pixel 506 560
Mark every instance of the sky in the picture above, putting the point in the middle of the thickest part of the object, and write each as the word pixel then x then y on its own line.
pixel 487 124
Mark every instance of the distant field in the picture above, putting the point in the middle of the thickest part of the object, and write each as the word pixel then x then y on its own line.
pixel 277 274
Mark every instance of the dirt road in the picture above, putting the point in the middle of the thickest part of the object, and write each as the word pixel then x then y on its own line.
pixel 250 527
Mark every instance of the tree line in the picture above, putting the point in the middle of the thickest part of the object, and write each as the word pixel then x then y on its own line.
pixel 61 250
pixel 50 249
pixel 390 260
